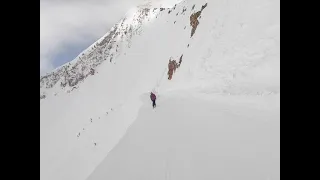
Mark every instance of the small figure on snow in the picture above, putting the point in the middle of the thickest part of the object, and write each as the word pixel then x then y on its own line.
pixel 153 99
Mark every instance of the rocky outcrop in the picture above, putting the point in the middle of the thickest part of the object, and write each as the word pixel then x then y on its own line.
pixel 194 22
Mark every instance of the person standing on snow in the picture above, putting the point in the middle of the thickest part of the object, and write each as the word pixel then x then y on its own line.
pixel 153 99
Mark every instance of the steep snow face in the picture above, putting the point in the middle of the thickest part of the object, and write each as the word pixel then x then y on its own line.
pixel 68 109
pixel 232 60
pixel 191 138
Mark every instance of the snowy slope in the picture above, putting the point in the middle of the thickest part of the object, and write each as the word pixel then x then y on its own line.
pixel 220 140
pixel 223 103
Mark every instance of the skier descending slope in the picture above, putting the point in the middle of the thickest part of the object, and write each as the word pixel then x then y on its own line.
pixel 153 99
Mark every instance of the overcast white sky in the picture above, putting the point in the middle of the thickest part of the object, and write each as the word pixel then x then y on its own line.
pixel 67 27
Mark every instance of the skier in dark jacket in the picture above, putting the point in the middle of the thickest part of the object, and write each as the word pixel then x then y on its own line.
pixel 153 99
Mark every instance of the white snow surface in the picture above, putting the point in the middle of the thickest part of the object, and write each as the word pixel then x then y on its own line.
pixel 218 118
